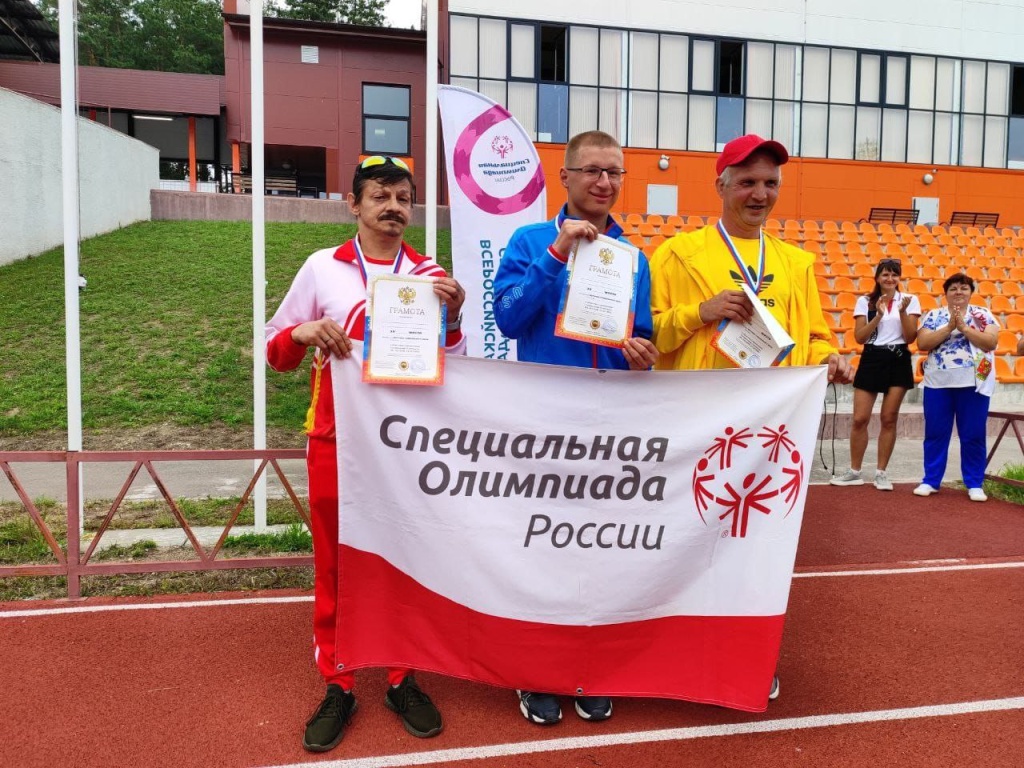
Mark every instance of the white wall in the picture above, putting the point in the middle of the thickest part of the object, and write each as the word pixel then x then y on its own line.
pixel 984 29
pixel 117 173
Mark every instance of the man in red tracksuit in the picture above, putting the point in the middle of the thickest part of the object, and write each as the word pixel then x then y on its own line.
pixel 324 309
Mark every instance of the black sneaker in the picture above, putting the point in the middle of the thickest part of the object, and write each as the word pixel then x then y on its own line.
pixel 540 708
pixel 326 728
pixel 419 715
pixel 594 708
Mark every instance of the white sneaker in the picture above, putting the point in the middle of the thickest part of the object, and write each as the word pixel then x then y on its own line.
pixel 852 477
pixel 925 490
pixel 976 494
pixel 882 481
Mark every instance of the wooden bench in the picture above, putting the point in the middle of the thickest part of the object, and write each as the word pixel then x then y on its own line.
pixel 974 219
pixel 892 216
pixel 279 183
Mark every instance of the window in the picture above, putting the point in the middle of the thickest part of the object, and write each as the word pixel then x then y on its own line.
pixel 552 54
pixel 386 119
pixel 730 68
pixel 717 67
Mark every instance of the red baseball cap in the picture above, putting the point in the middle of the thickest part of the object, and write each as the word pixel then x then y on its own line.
pixel 738 150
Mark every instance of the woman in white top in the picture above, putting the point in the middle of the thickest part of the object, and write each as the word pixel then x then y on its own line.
pixel 885 321
pixel 959 379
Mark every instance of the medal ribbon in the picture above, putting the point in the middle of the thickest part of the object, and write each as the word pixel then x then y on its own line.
pixel 361 260
pixel 754 286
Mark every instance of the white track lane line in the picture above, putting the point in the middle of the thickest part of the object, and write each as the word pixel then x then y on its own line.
pixel 21 614
pixel 673 734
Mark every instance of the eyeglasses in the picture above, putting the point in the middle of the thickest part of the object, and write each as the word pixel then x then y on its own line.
pixel 593 173
pixel 374 160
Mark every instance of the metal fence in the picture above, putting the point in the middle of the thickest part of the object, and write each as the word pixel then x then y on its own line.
pixel 74 562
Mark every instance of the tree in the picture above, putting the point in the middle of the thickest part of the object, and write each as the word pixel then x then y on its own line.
pixel 364 12
pixel 162 35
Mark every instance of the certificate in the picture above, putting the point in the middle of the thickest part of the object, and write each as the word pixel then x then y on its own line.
pixel 405 330
pixel 599 297
pixel 759 343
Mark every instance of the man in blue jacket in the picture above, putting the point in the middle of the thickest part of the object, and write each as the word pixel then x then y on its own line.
pixel 528 289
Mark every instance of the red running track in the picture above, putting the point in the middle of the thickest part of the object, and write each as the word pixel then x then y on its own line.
pixel 931 659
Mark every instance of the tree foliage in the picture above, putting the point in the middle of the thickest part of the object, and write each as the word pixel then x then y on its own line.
pixel 364 12
pixel 162 35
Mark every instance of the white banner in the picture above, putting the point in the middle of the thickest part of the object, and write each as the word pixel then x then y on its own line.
pixel 495 185
pixel 525 503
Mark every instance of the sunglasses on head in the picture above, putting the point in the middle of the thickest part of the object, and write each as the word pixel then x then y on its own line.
pixel 893 264
pixel 374 160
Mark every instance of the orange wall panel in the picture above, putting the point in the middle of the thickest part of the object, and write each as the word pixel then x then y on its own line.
pixel 811 188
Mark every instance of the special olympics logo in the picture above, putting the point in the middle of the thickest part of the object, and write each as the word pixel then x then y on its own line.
pixel 462 167
pixel 407 294
pixel 501 146
pixel 720 488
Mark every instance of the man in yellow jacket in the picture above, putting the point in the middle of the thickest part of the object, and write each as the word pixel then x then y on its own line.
pixel 697 277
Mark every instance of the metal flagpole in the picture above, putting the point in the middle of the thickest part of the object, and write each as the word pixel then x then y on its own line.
pixel 69 183
pixel 259 243
pixel 431 148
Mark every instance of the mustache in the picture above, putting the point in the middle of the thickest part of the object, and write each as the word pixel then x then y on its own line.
pixel 392 217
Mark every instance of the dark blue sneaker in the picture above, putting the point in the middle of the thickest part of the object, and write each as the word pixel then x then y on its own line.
pixel 540 708
pixel 594 707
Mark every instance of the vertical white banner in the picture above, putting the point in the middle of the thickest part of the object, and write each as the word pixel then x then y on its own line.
pixel 495 185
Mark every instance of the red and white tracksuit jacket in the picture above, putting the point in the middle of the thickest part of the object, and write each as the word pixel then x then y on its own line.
pixel 331 284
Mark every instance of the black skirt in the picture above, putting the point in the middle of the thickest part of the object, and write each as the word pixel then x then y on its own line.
pixel 882 367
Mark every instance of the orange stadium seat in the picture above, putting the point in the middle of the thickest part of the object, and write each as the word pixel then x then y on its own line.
pixel 955 230
pixel 925 238
pixel 1002 305
pixel 675 221
pixel 638 240
pixel 1010 288
pixel 647 229
pixel 1007 344
pixel 1016 273
pixel 917 286
pixel 842 284
pixel 863 269
pixel 976 272
pixel 913 249
pixel 928 302
pixel 824 286
pixel 840 267
pixel 997 273
pixel 812 246
pixel 695 221
pixel 1015 322
pixel 1018 371
pixel 634 219
pixel 931 272
pixel 855 361
pixel 668 230
pixel 1003 371
pixel 910 270
pixel 655 219
pixel 846 301
pixel 865 285
pixel 653 243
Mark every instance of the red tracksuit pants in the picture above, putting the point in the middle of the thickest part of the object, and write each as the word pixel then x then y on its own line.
pixel 322 466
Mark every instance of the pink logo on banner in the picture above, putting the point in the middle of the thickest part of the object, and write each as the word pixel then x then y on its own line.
pixel 463 172
pixel 719 486
pixel 502 145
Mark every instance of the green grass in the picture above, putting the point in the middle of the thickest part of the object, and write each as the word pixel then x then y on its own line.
pixel 1007 492
pixel 293 539
pixel 166 326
